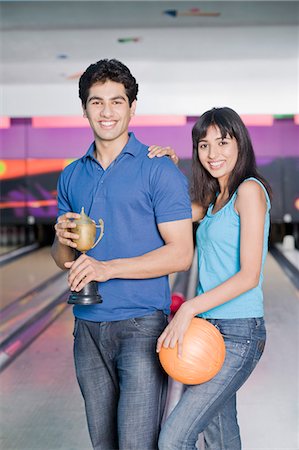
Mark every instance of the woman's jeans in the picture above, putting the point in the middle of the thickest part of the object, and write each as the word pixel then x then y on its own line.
pixel 121 380
pixel 211 407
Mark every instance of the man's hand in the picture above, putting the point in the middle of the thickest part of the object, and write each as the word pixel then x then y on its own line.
pixel 86 269
pixel 63 229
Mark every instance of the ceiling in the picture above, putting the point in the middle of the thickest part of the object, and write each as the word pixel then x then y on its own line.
pixel 48 43
pixel 78 15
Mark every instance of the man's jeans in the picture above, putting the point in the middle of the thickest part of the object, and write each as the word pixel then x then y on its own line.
pixel 211 407
pixel 121 380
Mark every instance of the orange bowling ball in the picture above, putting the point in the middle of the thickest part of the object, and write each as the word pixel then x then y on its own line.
pixel 203 354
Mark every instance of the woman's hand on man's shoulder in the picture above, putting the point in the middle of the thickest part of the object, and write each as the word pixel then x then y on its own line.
pixel 159 151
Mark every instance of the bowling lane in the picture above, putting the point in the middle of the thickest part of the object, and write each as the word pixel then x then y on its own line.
pixel 268 403
pixel 26 273
pixel 42 409
pixel 41 406
pixel 8 248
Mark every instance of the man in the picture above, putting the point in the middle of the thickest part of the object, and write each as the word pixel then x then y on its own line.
pixel 148 234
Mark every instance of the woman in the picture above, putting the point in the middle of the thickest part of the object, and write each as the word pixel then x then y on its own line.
pixel 232 200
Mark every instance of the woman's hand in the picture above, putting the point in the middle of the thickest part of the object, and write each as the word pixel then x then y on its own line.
pixel 175 331
pixel 85 269
pixel 158 151
pixel 63 229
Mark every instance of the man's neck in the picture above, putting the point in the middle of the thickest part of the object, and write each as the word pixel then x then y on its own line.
pixel 107 151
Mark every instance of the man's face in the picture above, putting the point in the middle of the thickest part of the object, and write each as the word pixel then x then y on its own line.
pixel 108 111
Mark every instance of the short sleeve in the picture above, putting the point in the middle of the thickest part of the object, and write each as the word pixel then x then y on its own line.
pixel 170 192
pixel 62 197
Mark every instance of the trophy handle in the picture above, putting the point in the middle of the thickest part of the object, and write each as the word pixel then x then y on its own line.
pixel 101 226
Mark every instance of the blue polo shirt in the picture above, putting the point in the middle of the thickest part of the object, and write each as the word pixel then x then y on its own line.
pixel 132 196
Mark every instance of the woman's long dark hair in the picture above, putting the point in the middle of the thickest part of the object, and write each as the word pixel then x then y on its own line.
pixel 205 187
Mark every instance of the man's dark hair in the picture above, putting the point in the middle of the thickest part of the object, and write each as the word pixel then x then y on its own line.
pixel 104 70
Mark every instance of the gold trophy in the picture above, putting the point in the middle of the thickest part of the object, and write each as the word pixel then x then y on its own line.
pixel 86 229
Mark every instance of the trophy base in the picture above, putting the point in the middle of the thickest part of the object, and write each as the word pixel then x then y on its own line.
pixel 87 296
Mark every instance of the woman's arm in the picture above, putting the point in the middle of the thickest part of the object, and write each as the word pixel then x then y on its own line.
pixel 198 212
pixel 251 206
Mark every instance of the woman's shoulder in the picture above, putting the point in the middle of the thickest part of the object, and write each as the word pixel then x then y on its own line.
pixel 251 185
pixel 252 191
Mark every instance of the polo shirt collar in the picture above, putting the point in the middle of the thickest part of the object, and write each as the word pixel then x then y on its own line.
pixel 132 147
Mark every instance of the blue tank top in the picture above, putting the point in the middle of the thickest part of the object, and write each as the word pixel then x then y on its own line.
pixel 218 246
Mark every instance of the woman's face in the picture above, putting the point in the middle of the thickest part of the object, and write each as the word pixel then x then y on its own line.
pixel 218 155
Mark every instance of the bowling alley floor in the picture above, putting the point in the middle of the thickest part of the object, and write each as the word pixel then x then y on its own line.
pixel 41 407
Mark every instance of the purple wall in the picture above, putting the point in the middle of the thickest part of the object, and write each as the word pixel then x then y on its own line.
pixel 21 140
pixel 276 148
